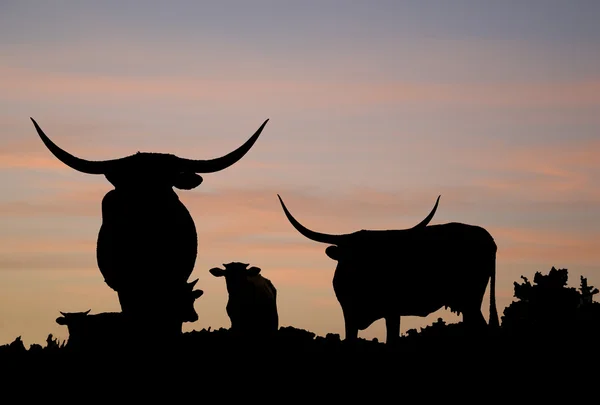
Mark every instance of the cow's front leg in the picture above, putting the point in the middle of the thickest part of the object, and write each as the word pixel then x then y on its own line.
pixel 392 326
pixel 350 327
pixel 351 332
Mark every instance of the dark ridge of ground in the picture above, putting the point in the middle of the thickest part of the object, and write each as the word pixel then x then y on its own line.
pixel 297 365
pixel 292 347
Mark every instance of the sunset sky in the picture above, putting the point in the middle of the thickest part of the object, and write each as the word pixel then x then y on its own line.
pixel 375 107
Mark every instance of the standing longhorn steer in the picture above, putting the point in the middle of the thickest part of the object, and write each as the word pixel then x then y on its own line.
pixel 252 305
pixel 147 243
pixel 393 273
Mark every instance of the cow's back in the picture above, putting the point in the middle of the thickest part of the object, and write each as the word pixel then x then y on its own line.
pixel 264 294
pixel 141 239
pixel 256 308
pixel 104 331
pixel 437 249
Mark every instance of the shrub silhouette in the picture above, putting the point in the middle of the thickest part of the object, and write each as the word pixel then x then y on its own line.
pixel 549 308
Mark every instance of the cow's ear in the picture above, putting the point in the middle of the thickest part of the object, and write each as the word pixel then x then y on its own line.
pixel 187 181
pixel 253 271
pixel 61 320
pixel 217 272
pixel 333 252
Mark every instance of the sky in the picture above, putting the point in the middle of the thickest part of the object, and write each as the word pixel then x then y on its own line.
pixel 375 108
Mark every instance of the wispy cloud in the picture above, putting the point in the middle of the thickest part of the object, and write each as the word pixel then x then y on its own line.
pixel 251 222
pixel 25 85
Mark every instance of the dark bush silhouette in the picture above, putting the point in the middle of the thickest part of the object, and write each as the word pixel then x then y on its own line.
pixel 550 309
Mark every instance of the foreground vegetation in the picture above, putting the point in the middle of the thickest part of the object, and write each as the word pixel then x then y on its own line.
pixel 548 325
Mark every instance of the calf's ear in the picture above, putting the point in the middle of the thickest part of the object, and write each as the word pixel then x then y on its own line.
pixel 217 272
pixel 253 271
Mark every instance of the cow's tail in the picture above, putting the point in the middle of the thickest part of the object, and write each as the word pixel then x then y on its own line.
pixel 494 321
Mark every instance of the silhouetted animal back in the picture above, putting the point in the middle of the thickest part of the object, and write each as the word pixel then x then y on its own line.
pixel 141 237
pixel 97 332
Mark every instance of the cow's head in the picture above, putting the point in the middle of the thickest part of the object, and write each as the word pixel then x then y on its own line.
pixel 342 245
pixel 145 172
pixel 71 318
pixel 184 302
pixel 235 274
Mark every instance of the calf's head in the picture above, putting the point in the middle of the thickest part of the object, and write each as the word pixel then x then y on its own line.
pixel 236 275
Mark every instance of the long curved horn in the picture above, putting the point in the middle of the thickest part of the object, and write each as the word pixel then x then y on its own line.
pixel 223 162
pixel 429 217
pixel 316 236
pixel 81 165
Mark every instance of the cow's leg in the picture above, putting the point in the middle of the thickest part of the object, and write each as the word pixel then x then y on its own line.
pixel 392 327
pixel 474 321
pixel 351 331
pixel 350 327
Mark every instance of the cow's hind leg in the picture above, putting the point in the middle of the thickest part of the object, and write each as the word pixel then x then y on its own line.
pixel 350 327
pixel 392 326
pixel 473 319
pixel 474 323
pixel 351 332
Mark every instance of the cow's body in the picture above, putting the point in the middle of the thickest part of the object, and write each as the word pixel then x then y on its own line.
pixel 98 332
pixel 252 304
pixel 384 274
pixel 415 272
pixel 142 237
pixel 139 250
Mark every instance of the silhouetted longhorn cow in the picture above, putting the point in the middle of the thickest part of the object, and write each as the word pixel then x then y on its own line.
pixel 104 331
pixel 393 273
pixel 252 304
pixel 147 244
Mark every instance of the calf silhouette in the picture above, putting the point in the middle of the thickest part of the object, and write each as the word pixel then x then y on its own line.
pixel 98 332
pixel 252 305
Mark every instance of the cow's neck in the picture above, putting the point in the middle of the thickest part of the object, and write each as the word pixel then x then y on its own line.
pixel 166 194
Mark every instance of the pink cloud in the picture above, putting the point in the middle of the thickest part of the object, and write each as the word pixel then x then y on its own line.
pixel 519 244
pixel 25 85
pixel 33 244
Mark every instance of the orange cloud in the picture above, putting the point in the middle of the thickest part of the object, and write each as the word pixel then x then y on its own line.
pixel 55 245
pixel 518 244
pixel 25 85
